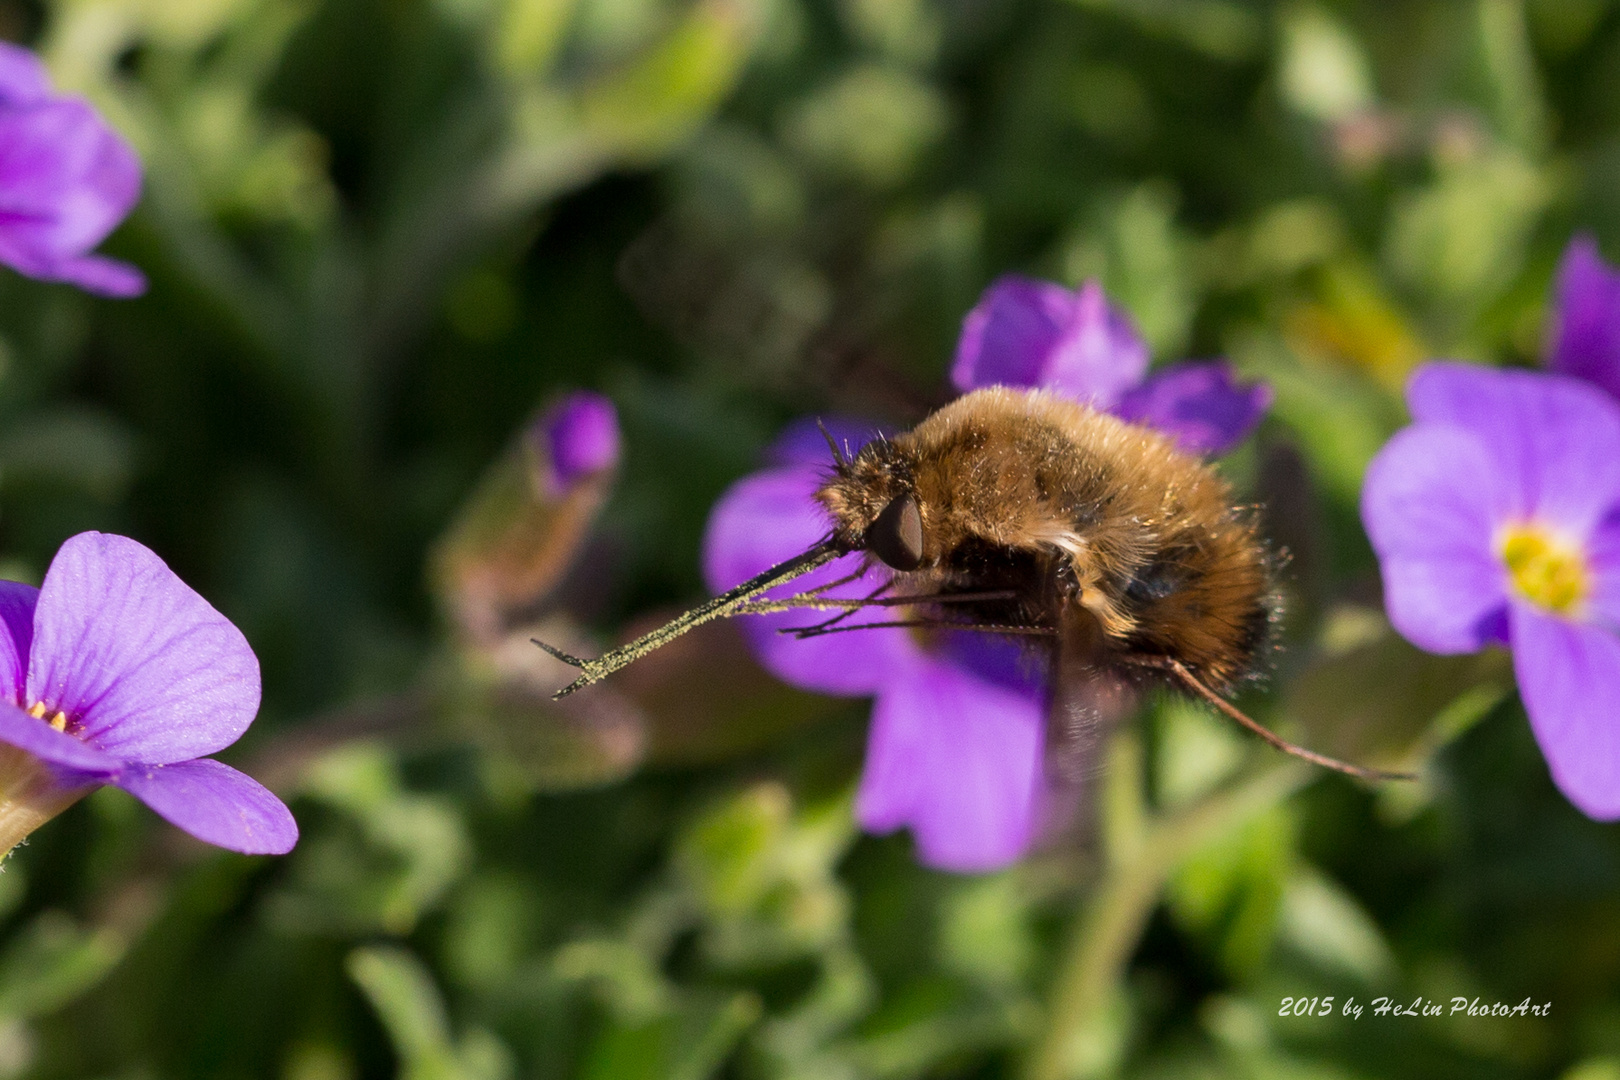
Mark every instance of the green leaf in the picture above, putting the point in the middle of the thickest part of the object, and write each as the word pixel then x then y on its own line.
pixel 689 1043
pixel 412 1010
pixel 54 960
pixel 1388 701
pixel 871 124
pixel 392 860
pixel 1461 237
pixel 1324 72
pixel 657 101
pixel 986 932
pixel 1324 922
pixel 73 446
pixel 1230 891
pixel 1220 28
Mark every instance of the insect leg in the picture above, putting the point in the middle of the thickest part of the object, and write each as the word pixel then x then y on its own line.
pixel 1197 686
pixel 825 603
pixel 845 580
pixel 869 598
pixel 839 461
pixel 803 632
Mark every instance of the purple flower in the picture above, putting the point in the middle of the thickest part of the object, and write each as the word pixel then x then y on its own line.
pixel 1025 332
pixel 1496 519
pixel 66 180
pixel 1585 324
pixel 579 436
pixel 116 672
pixel 954 750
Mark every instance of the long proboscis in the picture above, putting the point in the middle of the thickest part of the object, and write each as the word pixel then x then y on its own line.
pixel 733 602
pixel 740 601
pixel 1196 685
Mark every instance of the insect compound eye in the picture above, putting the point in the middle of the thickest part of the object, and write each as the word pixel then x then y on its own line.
pixel 896 536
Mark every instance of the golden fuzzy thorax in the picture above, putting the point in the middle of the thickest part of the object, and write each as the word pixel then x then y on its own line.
pixel 1025 491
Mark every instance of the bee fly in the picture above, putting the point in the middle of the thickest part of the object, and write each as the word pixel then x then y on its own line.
pixel 1025 513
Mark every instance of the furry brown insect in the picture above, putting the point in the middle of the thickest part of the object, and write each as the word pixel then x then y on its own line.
pixel 1024 512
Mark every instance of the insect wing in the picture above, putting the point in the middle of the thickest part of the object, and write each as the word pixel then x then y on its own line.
pixel 1087 698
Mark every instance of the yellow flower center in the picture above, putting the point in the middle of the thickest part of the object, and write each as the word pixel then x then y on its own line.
pixel 1547 571
pixel 59 721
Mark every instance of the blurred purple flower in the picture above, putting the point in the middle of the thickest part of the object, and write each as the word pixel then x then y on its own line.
pixel 1496 519
pixel 66 180
pixel 579 436
pixel 1025 332
pixel 1585 322
pixel 954 751
pixel 116 672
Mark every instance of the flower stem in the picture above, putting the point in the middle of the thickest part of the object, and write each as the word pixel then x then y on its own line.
pixel 1140 862
pixel 30 795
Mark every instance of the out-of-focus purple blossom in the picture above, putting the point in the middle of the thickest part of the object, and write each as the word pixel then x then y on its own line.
pixel 1025 332
pixel 580 437
pixel 1198 404
pixel 66 181
pixel 1496 519
pixel 1585 321
pixel 953 752
pixel 114 671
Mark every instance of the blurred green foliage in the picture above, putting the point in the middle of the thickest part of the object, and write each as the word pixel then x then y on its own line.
pixel 380 233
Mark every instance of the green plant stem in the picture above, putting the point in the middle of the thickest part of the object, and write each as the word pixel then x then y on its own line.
pixel 1110 924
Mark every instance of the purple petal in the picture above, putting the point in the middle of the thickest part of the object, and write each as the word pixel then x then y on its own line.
pixel 1100 355
pixel 1431 510
pixel 23 78
pixel 1569 678
pixel 66 180
pixel 1199 405
pixel 215 803
pixel 1541 429
pixel 802 443
pixel 767 518
pixel 580 437
pixel 1585 323
pixel 46 743
pixel 1010 332
pixel 1603 567
pixel 957 759
pixel 145 667
pixel 1005 661
pixel 16 637
pixel 98 274
pixel 1554 441
pixel 1025 332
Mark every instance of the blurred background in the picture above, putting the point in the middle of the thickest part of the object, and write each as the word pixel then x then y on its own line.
pixel 382 233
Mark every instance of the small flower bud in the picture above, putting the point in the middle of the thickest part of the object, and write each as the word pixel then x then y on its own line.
pixel 523 525
pixel 577 437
